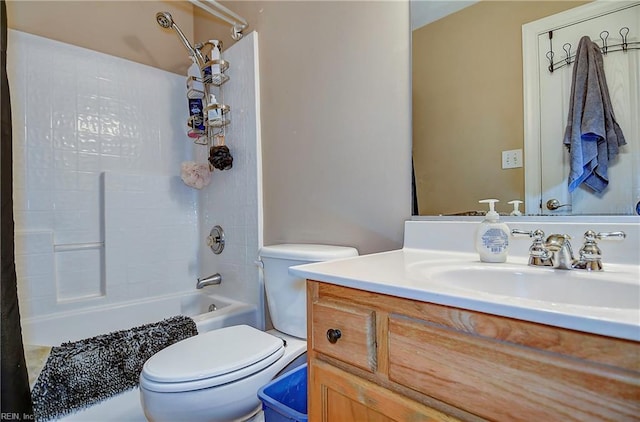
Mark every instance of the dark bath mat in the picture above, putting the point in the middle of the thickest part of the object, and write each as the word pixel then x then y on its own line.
pixel 82 373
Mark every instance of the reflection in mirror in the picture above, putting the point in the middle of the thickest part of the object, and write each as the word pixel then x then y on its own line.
pixel 468 104
pixel 607 183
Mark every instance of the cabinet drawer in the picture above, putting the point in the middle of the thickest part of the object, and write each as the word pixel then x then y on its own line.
pixel 505 382
pixel 345 333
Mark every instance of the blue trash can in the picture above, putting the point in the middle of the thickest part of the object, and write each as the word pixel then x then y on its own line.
pixel 285 398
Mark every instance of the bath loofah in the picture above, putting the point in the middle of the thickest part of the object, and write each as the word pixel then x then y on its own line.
pixel 195 175
pixel 220 157
pixel 82 373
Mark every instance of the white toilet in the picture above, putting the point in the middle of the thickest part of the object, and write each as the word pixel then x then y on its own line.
pixel 215 376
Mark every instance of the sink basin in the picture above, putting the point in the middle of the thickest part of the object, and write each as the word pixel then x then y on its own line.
pixel 613 289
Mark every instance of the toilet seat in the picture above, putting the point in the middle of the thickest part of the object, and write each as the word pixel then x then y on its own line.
pixel 211 359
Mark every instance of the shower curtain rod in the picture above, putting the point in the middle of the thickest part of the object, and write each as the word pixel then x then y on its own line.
pixel 236 21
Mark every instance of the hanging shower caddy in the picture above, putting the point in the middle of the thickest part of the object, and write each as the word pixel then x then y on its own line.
pixel 209 124
pixel 209 115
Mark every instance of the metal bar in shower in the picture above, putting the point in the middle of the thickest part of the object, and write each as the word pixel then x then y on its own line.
pixel 66 247
pixel 223 12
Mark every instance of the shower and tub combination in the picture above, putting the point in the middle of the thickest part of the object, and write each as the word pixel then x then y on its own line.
pixel 138 258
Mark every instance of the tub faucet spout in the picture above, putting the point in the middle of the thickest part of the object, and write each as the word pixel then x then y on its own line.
pixel 209 281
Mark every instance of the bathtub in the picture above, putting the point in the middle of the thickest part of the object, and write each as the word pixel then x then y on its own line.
pixel 52 330
pixel 207 310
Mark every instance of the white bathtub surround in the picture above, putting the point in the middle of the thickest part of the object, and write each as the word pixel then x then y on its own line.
pixel 80 115
pixel 149 230
pixel 102 216
pixel 233 199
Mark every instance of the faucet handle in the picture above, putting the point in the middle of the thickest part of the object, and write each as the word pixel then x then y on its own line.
pixel 590 254
pixel 537 235
pixel 539 254
pixel 605 235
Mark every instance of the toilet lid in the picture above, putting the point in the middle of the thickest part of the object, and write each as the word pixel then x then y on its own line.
pixel 216 353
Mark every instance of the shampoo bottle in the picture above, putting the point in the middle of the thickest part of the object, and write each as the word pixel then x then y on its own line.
pixel 216 47
pixel 214 114
pixel 492 236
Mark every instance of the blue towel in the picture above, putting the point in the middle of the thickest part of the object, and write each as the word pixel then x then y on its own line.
pixel 592 135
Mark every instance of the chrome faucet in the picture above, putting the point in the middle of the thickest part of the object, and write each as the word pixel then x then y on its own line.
pixel 209 281
pixel 561 251
pixel 556 250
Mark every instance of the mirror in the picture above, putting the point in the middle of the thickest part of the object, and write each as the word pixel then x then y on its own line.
pixel 468 102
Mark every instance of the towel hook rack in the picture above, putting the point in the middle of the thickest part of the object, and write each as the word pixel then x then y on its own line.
pixel 550 57
pixel 604 35
pixel 567 49
pixel 624 31
pixel 569 58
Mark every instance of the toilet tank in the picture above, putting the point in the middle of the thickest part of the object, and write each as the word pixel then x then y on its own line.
pixel 287 294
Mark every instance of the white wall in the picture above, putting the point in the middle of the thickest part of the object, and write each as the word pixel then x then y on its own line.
pixel 98 143
pixel 233 200
pixel 336 120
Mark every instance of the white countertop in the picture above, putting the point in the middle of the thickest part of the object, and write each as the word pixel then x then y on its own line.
pixel 394 273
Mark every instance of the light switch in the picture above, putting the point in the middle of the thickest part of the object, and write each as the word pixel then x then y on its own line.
pixel 512 159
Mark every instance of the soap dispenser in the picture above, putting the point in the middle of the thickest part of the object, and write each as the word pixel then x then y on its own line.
pixel 516 207
pixel 492 236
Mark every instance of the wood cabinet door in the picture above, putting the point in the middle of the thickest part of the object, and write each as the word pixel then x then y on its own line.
pixel 335 395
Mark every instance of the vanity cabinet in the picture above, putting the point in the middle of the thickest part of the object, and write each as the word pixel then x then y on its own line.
pixel 374 357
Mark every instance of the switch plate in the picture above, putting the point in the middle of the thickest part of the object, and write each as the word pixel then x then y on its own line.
pixel 512 159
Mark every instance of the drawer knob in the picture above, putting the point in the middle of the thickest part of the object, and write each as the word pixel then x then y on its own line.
pixel 333 335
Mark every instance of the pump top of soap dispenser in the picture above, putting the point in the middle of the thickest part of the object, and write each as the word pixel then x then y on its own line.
pixel 491 215
pixel 516 207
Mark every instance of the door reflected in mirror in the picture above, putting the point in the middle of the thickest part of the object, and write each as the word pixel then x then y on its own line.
pixel 468 105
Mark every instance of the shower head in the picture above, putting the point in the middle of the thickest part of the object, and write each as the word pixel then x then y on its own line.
pixel 164 19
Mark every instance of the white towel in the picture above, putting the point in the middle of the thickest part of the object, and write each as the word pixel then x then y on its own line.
pixel 592 134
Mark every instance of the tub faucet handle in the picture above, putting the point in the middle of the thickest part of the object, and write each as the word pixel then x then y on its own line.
pixel 215 240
